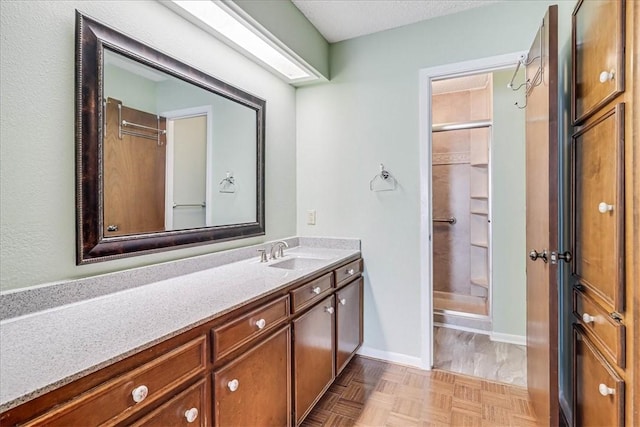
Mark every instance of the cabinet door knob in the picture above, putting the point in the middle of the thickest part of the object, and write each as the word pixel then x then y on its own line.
pixel 316 290
pixel 233 384
pixel 604 207
pixel 140 393
pixel 587 318
pixel 350 271
pixel 606 76
pixel 261 323
pixel 329 310
pixel 191 414
pixel 112 227
pixel 343 301
pixel 605 391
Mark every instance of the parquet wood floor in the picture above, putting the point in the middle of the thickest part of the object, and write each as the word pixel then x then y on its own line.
pixel 375 393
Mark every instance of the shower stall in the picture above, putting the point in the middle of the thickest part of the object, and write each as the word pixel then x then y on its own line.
pixel 462 124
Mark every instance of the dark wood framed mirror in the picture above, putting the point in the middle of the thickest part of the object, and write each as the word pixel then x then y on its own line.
pixel 167 156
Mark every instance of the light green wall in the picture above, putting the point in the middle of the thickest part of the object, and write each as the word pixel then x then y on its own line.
pixel 289 25
pixel 508 200
pixel 368 114
pixel 37 164
pixel 133 90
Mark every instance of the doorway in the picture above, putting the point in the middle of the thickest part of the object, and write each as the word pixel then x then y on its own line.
pixel 471 282
pixel 188 168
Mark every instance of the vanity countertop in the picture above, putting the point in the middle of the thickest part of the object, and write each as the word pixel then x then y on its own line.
pixel 44 350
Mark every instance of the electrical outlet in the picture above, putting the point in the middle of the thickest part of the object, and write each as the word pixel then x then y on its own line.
pixel 311 217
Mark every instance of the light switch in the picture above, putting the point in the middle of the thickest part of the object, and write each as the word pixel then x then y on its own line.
pixel 311 217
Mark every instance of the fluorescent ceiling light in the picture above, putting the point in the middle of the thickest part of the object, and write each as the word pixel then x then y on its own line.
pixel 217 17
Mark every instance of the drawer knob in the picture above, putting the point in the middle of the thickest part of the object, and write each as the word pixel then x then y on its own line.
pixel 140 393
pixel 261 323
pixel 329 310
pixel 343 301
pixel 587 318
pixel 316 290
pixel 605 391
pixel 606 76
pixel 233 385
pixel 604 207
pixel 350 271
pixel 191 414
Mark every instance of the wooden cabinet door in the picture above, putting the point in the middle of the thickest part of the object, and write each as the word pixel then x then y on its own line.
pixel 598 208
pixel 599 391
pixel 255 388
pixel 348 323
pixel 598 53
pixel 313 348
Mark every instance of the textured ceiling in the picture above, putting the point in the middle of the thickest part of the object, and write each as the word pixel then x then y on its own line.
pixel 345 19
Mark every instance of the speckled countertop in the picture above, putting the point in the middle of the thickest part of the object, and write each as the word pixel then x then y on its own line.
pixel 44 350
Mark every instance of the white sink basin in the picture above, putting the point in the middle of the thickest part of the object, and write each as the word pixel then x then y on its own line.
pixel 299 263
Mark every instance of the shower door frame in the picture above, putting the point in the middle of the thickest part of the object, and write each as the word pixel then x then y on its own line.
pixel 426 77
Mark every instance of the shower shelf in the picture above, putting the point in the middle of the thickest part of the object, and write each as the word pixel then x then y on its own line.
pixel 479 213
pixel 480 244
pixel 480 197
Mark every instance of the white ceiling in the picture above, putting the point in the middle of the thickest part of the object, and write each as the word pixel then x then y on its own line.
pixel 339 20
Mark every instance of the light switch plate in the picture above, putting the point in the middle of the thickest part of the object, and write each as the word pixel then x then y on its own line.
pixel 311 217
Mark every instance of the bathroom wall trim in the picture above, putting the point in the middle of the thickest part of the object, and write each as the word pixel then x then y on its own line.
pixel 426 75
pixel 389 356
pixel 508 338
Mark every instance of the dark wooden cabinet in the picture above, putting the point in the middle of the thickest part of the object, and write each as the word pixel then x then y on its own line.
pixel 313 350
pixel 189 408
pixel 348 323
pixel 244 368
pixel 254 389
pixel 599 389
pixel 604 213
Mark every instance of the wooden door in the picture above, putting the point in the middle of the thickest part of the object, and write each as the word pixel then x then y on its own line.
pixel 255 389
pixel 134 162
pixel 348 323
pixel 542 220
pixel 313 348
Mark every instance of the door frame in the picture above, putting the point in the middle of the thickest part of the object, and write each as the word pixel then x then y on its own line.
pixel 426 76
pixel 185 113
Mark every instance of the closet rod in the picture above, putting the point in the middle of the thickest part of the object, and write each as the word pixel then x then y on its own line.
pixel 460 126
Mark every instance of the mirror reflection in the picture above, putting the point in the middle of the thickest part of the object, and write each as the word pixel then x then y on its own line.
pixel 175 156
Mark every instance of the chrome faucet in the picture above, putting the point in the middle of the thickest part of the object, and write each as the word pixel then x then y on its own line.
pixel 277 249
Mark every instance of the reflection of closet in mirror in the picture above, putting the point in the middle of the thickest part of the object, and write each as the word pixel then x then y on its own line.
pixel 207 135
pixel 133 170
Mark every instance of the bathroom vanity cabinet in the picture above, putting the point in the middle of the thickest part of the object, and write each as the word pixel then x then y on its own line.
pixel 266 362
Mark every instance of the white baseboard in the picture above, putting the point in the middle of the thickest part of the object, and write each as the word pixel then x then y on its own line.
pixel 462 328
pixel 508 338
pixel 389 356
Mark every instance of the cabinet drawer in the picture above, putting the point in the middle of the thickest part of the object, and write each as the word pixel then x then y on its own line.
pixel 598 177
pixel 346 272
pixel 607 332
pixel 598 43
pixel 232 335
pixel 188 408
pixel 311 292
pixel 255 388
pixel 114 401
pixel 599 391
